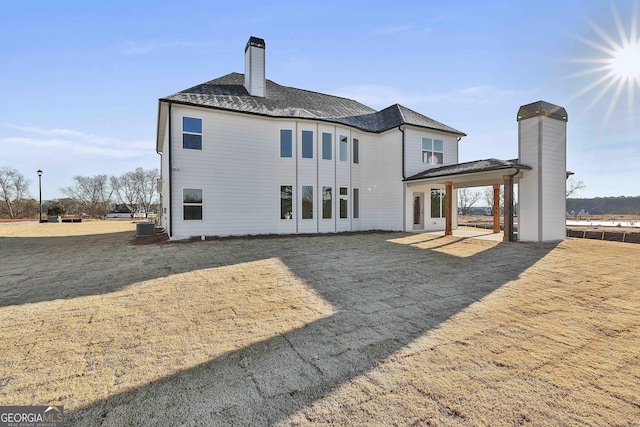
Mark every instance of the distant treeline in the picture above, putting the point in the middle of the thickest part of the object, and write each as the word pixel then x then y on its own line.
pixel 606 205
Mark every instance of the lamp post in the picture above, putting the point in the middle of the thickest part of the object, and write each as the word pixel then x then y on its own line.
pixel 40 191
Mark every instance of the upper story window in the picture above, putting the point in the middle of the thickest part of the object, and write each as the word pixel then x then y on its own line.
pixel 326 146
pixel 432 151
pixel 192 133
pixel 307 144
pixel 356 151
pixel 343 148
pixel 286 143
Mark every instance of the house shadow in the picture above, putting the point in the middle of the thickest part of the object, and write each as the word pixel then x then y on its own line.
pixel 385 296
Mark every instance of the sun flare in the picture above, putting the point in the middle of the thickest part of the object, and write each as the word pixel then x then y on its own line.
pixel 626 62
pixel 615 68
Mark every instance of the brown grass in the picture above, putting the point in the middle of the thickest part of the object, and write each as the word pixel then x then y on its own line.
pixel 387 328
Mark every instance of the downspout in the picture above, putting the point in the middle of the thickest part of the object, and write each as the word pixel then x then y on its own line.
pixel 170 176
pixel 404 186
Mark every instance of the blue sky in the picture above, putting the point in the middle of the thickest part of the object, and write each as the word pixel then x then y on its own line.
pixel 80 80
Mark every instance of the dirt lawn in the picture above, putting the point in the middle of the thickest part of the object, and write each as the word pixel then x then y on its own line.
pixel 362 329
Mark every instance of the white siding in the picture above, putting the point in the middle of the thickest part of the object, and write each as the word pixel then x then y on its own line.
pixel 240 172
pixel 542 145
pixel 413 150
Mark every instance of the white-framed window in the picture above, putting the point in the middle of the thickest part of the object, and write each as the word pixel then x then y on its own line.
pixel 327 146
pixel 286 202
pixel 356 151
pixel 344 148
pixel 191 204
pixel 327 202
pixel 286 143
pixel 307 202
pixel 344 207
pixel 192 133
pixel 437 203
pixel 432 151
pixel 307 144
pixel 356 203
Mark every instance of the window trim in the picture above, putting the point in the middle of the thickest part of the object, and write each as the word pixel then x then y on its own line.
pixel 290 131
pixel 302 201
pixel 442 206
pixel 432 151
pixel 343 141
pixel 200 204
pixel 292 212
pixel 356 150
pixel 302 143
pixel 330 199
pixel 327 146
pixel 184 132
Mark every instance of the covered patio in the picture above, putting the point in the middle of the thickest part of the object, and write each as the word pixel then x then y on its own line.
pixel 479 173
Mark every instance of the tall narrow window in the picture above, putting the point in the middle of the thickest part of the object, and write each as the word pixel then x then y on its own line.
pixel 356 151
pixel 307 202
pixel 343 202
pixel 192 133
pixel 437 203
pixel 356 203
pixel 286 143
pixel 327 202
pixel 192 203
pixel 432 151
pixel 326 146
pixel 286 202
pixel 307 144
pixel 343 148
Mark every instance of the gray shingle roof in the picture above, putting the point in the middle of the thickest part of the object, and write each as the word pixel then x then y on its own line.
pixel 228 93
pixel 468 167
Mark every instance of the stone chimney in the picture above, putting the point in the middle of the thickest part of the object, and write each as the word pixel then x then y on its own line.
pixel 254 67
pixel 542 144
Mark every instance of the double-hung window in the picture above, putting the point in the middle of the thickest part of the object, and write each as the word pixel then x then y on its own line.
pixel 286 143
pixel 437 203
pixel 192 133
pixel 432 151
pixel 192 203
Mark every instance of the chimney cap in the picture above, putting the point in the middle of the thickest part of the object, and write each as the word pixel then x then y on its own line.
pixel 256 42
pixel 542 108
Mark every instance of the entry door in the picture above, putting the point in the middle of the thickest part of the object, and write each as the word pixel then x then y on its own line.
pixel 418 211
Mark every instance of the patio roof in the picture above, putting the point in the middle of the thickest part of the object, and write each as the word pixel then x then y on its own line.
pixel 469 174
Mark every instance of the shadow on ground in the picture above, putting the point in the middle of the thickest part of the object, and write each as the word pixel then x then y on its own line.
pixel 386 294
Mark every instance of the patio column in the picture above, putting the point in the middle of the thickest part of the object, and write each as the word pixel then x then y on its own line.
pixel 496 212
pixel 448 201
pixel 508 202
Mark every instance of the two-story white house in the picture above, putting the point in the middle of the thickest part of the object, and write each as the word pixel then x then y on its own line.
pixel 243 155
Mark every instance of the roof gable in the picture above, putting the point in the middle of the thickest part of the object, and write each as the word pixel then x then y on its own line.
pixel 228 93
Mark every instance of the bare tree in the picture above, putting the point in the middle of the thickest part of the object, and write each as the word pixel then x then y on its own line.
pixel 93 193
pixel 13 191
pixel 137 189
pixel 574 186
pixel 466 199
pixel 487 195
